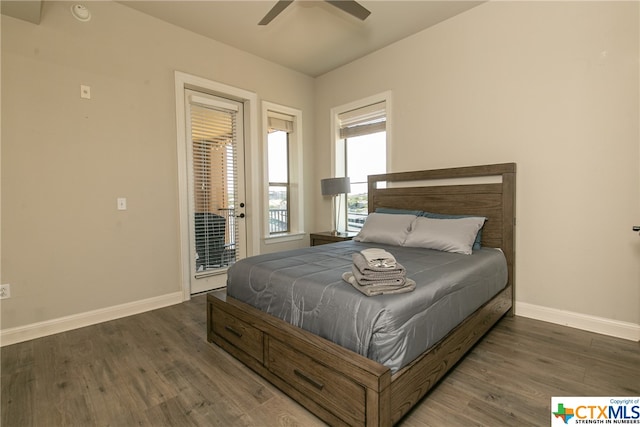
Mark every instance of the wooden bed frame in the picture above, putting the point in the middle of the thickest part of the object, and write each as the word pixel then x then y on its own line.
pixel 345 388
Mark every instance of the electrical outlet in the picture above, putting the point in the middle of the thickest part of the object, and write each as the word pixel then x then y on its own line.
pixel 5 291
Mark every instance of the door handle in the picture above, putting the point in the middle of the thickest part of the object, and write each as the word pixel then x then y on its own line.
pixel 636 228
pixel 240 216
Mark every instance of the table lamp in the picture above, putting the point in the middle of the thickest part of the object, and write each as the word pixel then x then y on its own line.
pixel 335 187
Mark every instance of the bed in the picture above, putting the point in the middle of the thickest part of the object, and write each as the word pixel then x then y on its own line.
pixel 339 385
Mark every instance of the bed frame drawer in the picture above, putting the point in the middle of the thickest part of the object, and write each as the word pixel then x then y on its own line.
pixel 242 335
pixel 342 396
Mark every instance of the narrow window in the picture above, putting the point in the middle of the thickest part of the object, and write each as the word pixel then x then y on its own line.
pixel 282 141
pixel 278 165
pixel 363 136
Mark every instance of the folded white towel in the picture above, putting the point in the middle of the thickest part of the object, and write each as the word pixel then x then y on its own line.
pixel 377 257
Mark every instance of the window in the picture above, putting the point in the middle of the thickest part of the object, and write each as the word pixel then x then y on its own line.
pixel 361 151
pixel 283 216
pixel 278 170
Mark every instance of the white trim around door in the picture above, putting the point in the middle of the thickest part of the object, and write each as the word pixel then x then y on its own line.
pixel 252 165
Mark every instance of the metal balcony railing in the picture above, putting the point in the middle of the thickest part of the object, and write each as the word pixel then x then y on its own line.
pixel 278 221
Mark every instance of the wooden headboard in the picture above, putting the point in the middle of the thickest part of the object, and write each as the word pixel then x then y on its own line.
pixel 437 191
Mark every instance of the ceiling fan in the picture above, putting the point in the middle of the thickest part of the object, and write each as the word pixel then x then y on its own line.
pixel 352 7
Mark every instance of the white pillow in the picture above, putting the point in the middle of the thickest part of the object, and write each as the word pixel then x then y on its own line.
pixel 449 235
pixel 391 229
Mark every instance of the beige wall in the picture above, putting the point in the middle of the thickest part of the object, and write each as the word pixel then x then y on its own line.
pixel 552 86
pixel 65 248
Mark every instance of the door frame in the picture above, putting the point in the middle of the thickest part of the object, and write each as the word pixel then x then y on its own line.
pixel 252 165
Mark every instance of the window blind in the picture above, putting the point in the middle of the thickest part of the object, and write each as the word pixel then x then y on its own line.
pixel 279 122
pixel 214 145
pixel 363 121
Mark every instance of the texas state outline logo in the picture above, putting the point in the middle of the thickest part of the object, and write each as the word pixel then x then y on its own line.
pixel 565 414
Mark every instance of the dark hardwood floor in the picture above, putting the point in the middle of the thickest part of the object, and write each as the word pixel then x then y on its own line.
pixel 156 369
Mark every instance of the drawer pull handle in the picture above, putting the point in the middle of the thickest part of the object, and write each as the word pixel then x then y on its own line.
pixel 308 379
pixel 233 331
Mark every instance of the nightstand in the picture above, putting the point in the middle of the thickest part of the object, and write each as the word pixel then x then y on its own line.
pixel 324 237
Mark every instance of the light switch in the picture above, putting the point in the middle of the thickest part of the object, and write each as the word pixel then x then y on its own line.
pixel 85 91
pixel 122 203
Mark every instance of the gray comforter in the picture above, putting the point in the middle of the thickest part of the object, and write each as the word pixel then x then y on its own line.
pixel 305 288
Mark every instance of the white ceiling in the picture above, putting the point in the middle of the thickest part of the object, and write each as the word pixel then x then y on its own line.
pixel 312 37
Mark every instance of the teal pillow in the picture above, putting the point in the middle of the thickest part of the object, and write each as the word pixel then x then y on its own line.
pixel 395 211
pixel 477 243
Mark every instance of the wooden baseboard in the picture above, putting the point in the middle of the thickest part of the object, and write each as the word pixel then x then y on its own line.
pixel 62 324
pixel 600 325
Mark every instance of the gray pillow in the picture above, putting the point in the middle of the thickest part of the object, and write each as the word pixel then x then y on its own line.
pixel 449 235
pixel 477 244
pixel 390 229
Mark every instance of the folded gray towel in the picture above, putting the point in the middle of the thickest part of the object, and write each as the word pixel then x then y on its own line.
pixel 393 278
pixel 377 257
pixel 408 285
pixel 361 263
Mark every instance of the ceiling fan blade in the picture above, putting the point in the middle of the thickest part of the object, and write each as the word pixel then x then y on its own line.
pixel 352 7
pixel 275 11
